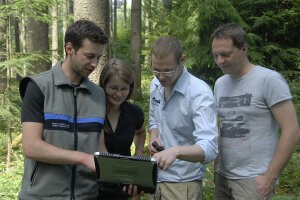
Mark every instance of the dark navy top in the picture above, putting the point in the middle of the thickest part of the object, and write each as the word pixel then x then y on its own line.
pixel 130 119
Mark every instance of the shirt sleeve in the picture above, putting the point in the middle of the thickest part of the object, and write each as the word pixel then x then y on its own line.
pixel 205 122
pixel 33 104
pixel 276 89
pixel 152 123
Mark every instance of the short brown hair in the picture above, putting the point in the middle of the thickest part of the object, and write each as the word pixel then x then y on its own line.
pixel 122 69
pixel 166 45
pixel 232 31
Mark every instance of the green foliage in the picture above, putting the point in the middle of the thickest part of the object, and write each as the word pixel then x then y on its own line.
pixel 30 8
pixel 10 181
pixel 18 61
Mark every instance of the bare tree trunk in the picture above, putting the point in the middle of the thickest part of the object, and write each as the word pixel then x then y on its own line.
pixel 71 7
pixel 125 13
pixel 9 145
pixel 17 35
pixel 100 10
pixel 154 13
pixel 17 41
pixel 38 41
pixel 54 13
pixel 111 18
pixel 23 41
pixel 2 50
pixel 115 28
pixel 147 32
pixel 136 45
pixel 65 24
pixel 8 53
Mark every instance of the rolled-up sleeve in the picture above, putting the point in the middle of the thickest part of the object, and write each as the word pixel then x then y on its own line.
pixel 205 122
pixel 152 123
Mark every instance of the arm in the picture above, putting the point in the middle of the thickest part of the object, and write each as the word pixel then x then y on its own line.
pixel 139 141
pixel 102 147
pixel 37 149
pixel 285 115
pixel 205 134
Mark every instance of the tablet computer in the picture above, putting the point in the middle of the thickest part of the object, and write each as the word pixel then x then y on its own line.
pixel 115 171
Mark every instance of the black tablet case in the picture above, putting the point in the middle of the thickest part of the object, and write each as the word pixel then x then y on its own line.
pixel 115 171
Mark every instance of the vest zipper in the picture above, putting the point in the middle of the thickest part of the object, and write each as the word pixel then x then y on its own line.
pixel 33 175
pixel 75 144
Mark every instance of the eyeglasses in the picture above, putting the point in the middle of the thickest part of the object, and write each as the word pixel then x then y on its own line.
pixel 112 89
pixel 167 74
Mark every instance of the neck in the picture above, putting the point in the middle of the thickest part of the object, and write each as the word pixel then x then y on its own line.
pixel 112 109
pixel 71 76
pixel 246 67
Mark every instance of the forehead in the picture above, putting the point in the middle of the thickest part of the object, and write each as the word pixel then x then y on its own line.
pixel 222 44
pixel 168 60
pixel 116 80
pixel 91 47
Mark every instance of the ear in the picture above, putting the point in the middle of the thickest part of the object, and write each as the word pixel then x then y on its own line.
pixel 245 48
pixel 182 59
pixel 69 48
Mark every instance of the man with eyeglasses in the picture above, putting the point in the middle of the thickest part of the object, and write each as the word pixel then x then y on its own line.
pixel 182 121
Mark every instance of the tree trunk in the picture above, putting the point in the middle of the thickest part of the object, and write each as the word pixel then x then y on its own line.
pixel 136 45
pixel 23 41
pixel 2 51
pixel 38 41
pixel 17 35
pixel 65 24
pixel 147 11
pixel 125 14
pixel 17 42
pixel 115 28
pixel 100 10
pixel 8 53
pixel 54 14
pixel 9 144
pixel 111 18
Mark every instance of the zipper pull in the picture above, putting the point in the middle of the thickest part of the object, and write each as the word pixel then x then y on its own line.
pixel 29 187
pixel 75 92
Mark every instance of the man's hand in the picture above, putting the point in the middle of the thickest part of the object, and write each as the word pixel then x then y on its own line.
pixel 151 149
pixel 88 161
pixel 166 157
pixel 265 185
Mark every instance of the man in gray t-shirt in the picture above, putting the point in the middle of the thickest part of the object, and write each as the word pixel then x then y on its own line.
pixel 252 103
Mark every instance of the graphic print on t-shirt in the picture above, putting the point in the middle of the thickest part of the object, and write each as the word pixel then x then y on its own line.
pixel 233 123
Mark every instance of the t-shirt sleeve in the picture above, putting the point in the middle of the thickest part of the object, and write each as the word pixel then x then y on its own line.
pixel 33 104
pixel 276 89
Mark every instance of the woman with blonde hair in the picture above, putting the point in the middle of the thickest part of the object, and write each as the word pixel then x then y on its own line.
pixel 124 121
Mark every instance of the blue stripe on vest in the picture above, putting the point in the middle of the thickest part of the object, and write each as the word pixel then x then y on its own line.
pixel 48 116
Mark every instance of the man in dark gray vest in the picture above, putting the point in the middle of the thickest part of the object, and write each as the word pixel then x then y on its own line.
pixel 62 117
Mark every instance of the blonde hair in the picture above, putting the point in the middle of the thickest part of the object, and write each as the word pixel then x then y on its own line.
pixel 166 45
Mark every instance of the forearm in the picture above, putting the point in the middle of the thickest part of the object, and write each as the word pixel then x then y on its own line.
pixel 283 153
pixel 192 153
pixel 37 149
pixel 45 152
pixel 139 140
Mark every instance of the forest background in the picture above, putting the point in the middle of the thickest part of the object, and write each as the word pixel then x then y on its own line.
pixel 31 41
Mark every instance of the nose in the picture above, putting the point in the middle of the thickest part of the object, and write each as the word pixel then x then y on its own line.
pixel 220 59
pixel 161 76
pixel 95 62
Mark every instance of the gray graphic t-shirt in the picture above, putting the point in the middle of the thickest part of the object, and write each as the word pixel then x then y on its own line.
pixel 248 130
